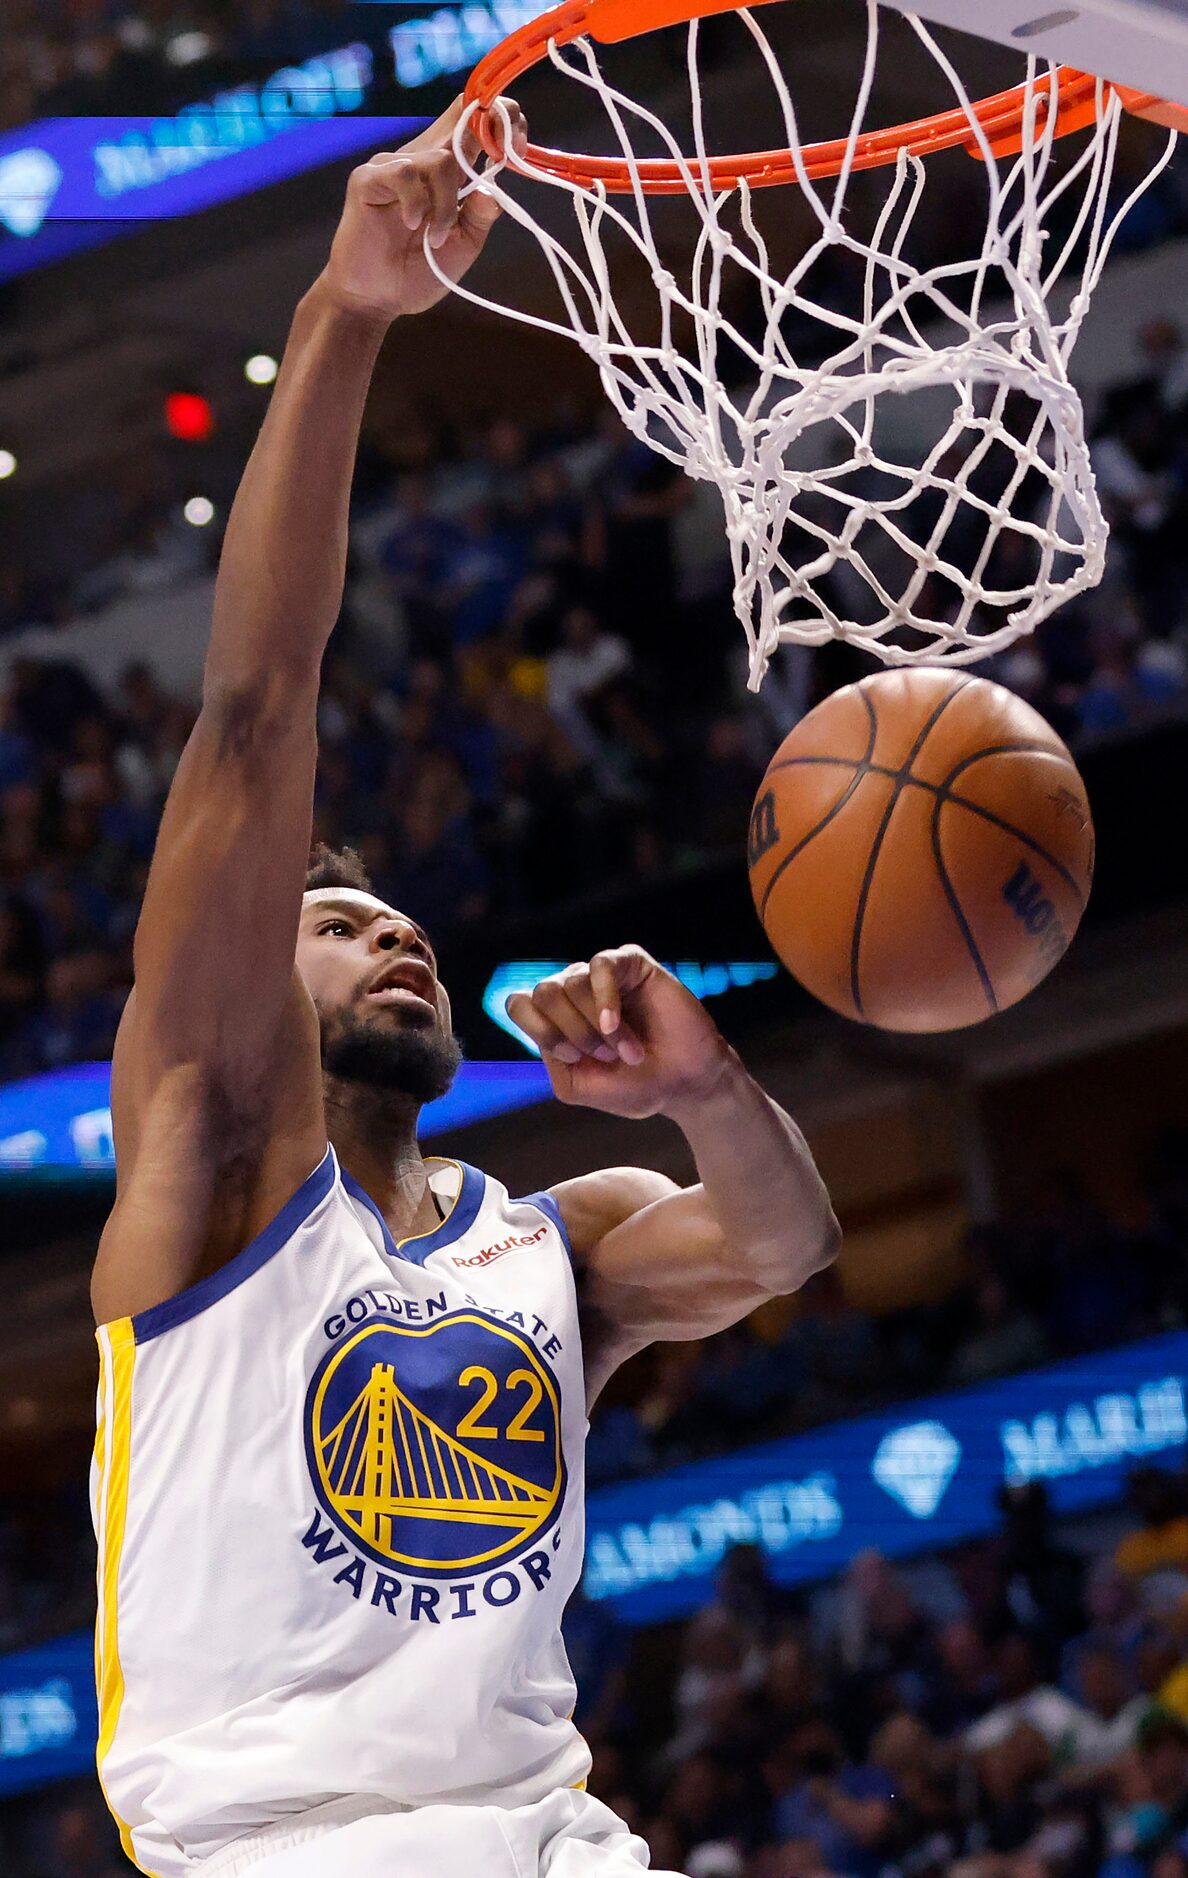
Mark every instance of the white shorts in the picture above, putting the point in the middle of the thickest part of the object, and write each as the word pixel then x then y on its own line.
pixel 567 1835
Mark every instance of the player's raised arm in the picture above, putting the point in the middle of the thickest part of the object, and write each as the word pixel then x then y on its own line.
pixel 662 1263
pixel 216 1084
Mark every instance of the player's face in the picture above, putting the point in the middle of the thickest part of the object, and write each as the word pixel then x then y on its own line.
pixel 372 974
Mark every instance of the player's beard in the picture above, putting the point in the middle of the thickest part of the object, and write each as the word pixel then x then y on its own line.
pixel 419 1062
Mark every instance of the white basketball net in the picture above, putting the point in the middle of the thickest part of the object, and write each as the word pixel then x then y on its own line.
pixel 828 534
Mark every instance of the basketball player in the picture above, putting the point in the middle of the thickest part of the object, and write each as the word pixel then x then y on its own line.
pixel 338 1473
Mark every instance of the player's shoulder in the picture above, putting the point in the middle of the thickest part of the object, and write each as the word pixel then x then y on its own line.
pixel 594 1204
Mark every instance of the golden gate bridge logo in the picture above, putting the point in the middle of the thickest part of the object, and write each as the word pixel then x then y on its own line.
pixel 422 1447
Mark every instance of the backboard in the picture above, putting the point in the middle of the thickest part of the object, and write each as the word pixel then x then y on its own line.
pixel 1143 43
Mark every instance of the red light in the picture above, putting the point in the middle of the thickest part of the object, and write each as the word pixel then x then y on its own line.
pixel 189 417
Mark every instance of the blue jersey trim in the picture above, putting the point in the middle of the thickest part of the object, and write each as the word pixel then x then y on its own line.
pixel 548 1206
pixel 459 1220
pixel 198 1298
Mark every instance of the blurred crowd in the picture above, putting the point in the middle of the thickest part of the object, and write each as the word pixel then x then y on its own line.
pixel 536 683
pixel 500 723
pixel 1016 1709
pixel 87 57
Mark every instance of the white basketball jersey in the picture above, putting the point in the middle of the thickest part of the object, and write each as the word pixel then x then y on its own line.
pixel 338 1498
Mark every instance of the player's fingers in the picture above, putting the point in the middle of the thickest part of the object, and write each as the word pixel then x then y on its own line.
pixel 482 208
pixel 398 182
pixel 506 123
pixel 555 999
pixel 594 988
pixel 469 140
pixel 611 974
pixel 631 966
pixel 604 984
pixel 519 127
pixel 509 126
pixel 443 179
pixel 480 212
pixel 424 188
pixel 576 980
pixel 535 1025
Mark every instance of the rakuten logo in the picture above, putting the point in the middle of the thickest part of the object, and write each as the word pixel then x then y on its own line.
pixel 490 1253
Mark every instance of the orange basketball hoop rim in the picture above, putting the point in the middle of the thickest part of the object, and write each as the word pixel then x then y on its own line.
pixel 1073 95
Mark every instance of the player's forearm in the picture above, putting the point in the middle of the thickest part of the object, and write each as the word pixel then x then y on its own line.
pixel 759 1178
pixel 283 565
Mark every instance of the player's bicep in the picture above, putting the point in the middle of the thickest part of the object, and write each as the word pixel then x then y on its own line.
pixel 653 1263
pixel 666 1273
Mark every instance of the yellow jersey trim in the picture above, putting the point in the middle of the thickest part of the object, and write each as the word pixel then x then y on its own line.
pixel 113 1450
pixel 579 1786
pixel 99 1434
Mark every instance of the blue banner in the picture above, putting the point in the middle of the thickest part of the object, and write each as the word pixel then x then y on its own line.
pixel 49 1718
pixel 62 1120
pixel 914 1480
pixel 69 183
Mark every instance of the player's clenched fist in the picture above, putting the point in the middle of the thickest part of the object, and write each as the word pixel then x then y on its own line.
pixel 394 202
pixel 622 1034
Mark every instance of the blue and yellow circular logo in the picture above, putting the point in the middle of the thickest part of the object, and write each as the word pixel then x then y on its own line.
pixel 438 1449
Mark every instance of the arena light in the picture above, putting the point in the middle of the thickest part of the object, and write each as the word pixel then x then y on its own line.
pixel 189 48
pixel 8 465
pixel 260 369
pixel 199 511
pixel 189 417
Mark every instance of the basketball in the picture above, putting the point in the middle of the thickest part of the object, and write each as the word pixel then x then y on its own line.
pixel 921 850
